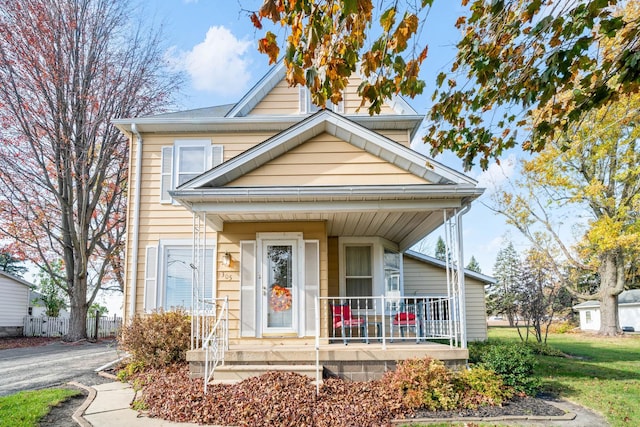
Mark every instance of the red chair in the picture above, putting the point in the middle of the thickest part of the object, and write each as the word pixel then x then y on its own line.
pixel 405 320
pixel 343 320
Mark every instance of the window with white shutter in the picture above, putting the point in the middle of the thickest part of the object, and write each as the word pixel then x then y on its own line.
pixel 185 160
pixel 150 279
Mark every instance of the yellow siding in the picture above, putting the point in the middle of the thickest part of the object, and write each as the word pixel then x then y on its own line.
pixel 334 278
pixel 229 241
pixel 326 160
pixel 425 279
pixel 284 100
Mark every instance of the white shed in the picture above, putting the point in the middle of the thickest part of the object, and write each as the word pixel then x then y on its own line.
pixel 14 304
pixel 628 312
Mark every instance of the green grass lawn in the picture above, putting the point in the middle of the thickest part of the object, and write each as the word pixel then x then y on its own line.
pixel 26 408
pixel 602 373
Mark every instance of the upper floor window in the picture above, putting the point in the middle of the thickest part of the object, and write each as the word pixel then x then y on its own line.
pixel 185 160
pixel 307 106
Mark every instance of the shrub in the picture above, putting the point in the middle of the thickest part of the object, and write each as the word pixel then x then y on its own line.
pixel 515 363
pixel 480 386
pixel 562 327
pixel 158 339
pixel 545 349
pixel 423 383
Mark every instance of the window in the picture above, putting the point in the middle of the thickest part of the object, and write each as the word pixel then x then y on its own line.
pixel 307 106
pixel 185 160
pixel 358 271
pixel 587 316
pixel 171 264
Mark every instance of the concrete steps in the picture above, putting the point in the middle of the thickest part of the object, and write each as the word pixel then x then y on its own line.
pixel 230 373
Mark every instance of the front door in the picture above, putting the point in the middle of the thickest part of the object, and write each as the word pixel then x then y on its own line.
pixel 279 286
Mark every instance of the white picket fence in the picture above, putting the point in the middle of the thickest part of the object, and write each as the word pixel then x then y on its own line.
pixel 43 326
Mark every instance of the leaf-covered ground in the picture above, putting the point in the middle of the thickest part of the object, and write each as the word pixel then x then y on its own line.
pixel 19 342
pixel 286 399
pixel 273 399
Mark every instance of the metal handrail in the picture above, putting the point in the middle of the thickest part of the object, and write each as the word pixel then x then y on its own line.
pixel 216 343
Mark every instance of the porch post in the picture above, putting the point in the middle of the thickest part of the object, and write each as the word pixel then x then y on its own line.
pixel 461 286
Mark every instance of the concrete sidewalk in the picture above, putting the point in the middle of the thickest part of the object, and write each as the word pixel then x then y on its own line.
pixel 109 405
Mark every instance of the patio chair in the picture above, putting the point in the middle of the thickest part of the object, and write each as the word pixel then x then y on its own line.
pixel 406 319
pixel 343 320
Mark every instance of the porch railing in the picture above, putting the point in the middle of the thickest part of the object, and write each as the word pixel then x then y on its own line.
pixel 386 319
pixel 217 340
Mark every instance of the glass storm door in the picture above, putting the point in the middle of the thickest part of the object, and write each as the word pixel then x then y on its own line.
pixel 279 274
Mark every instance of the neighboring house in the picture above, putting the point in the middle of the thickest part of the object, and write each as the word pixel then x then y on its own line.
pixel 628 312
pixel 278 213
pixel 420 269
pixel 37 307
pixel 14 304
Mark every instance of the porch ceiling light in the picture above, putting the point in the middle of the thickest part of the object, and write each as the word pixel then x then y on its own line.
pixel 226 259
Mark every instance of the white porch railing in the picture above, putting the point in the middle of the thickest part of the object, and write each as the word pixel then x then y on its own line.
pixel 385 319
pixel 210 332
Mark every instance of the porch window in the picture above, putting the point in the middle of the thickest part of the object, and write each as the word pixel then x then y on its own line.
pixel 185 160
pixel 358 271
pixel 392 262
pixel 178 276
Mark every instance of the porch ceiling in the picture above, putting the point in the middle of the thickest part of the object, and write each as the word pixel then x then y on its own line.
pixel 400 214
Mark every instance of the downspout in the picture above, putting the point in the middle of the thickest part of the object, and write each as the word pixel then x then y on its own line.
pixel 136 222
pixel 461 286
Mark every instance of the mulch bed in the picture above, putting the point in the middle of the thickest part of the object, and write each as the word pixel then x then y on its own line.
pixel 284 399
pixel 518 406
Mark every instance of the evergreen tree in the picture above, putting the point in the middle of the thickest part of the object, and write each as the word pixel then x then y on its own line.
pixel 501 298
pixel 10 264
pixel 441 249
pixel 474 265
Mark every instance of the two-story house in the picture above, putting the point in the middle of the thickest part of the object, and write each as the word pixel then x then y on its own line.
pixel 284 229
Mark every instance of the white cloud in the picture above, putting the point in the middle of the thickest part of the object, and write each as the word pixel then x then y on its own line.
pixel 217 64
pixel 497 174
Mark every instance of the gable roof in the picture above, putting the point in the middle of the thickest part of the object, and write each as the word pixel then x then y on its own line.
pixel 16 279
pixel 629 297
pixel 439 263
pixel 275 76
pixel 340 127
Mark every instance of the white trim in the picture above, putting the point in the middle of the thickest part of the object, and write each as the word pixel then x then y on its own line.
pixel 295 239
pixel 259 91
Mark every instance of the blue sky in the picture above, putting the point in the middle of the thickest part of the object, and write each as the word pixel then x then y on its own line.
pixel 214 44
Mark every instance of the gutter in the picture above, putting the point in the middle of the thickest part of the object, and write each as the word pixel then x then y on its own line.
pixel 136 221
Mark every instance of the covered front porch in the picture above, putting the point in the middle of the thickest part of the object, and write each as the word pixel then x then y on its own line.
pixel 356 338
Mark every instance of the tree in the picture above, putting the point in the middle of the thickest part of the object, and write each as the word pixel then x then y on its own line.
pixel 538 296
pixel 501 296
pixel 10 262
pixel 441 249
pixel 513 56
pixel 67 67
pixel 474 265
pixel 101 309
pixel 50 290
pixel 592 173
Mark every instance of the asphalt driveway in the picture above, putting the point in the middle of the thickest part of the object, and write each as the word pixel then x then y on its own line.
pixel 53 364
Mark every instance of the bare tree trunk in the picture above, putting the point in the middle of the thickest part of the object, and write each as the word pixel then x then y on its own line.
pixel 611 285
